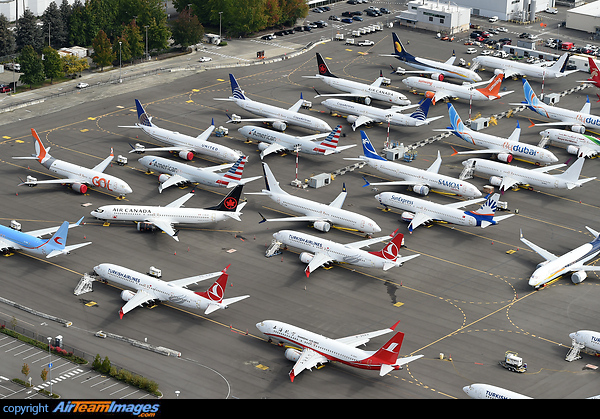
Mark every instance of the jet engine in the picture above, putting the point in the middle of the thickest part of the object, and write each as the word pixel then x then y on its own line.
pixel 429 95
pixel 578 277
pixel 437 76
pixel 505 157
pixel 292 354
pixel 351 119
pixel 407 216
pixel 263 146
pixel 366 100
pixel 186 155
pixel 279 126
pixel 163 178
pixel 127 295
pixel 79 187
pixel 145 227
pixel 421 189
pixel 580 129
pixel 306 257
pixel 495 180
pixel 322 226
pixel 573 150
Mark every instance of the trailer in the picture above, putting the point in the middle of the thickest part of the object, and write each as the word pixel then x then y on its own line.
pixel 513 362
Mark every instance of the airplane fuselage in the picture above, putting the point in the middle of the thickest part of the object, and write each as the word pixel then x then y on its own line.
pixel 589 338
pixel 142 213
pixel 572 138
pixel 376 114
pixel 486 391
pixel 565 263
pixel 290 142
pixel 191 173
pixel 567 116
pixel 377 93
pixel 448 70
pixel 455 90
pixel 23 241
pixel 527 70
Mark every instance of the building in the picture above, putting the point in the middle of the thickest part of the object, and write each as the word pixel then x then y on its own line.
pixel 585 18
pixel 521 10
pixel 448 18
pixel 37 7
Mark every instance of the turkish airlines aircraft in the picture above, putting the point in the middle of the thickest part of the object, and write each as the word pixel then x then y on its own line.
pixel 317 349
pixel 79 177
pixel 487 391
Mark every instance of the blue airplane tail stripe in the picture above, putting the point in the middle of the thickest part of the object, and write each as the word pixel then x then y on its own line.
pixel 236 90
pixel 142 116
pixel 455 121
pixel 422 110
pixel 368 149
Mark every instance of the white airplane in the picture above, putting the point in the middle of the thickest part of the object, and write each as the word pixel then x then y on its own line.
pixel 359 114
pixel 582 145
pixel 421 180
pixel 573 261
pixel 32 243
pixel 420 211
pixel 279 118
pixel 149 288
pixel 487 391
pixel 512 68
pixel 588 338
pixel 185 145
pixel 320 252
pixel 174 173
pixel 439 90
pixel 506 176
pixel 77 176
pixel 436 69
pixel 578 121
pixel 321 215
pixel 364 92
pixel 273 142
pixel 503 148
pixel 318 349
pixel 150 217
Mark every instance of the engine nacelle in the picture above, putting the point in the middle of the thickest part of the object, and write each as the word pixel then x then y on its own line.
pixel 495 180
pixel 421 189
pixel 322 226
pixel 163 178
pixel 366 100
pixel 437 76
pixel 573 150
pixel 292 354
pixel 407 216
pixel 580 129
pixel 186 155
pixel 429 95
pixel 145 227
pixel 263 146
pixel 351 119
pixel 127 295
pixel 498 71
pixel 279 126
pixel 578 277
pixel 505 157
pixel 79 187
pixel 306 257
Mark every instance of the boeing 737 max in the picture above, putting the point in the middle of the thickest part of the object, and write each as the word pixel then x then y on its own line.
pixel 582 145
pixel 511 68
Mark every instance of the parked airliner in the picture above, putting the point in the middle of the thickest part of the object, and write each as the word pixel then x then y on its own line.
pixel 588 338
pixel 487 391
pixel 512 68
pixel 582 145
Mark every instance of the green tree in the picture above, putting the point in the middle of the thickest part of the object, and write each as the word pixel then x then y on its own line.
pixel 103 52
pixel 77 24
pixel 73 65
pixel 31 66
pixel 44 374
pixel 97 362
pixel 53 65
pixel 135 40
pixel 187 29
pixel 25 370
pixel 7 39
pixel 52 27
pixel 28 32
pixel 105 367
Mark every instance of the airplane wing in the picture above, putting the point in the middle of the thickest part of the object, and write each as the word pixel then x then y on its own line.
pixel 104 164
pixel 392 183
pixel 165 226
pixel 173 180
pixel 51 230
pixel 296 106
pixel 140 297
pixel 510 73
pixel 451 60
pixel 418 219
pixel 587 152
pixel 63 180
pixel 435 166
pixel 545 169
pixel 440 95
pixel 339 200
pixel 308 360
pixel 542 252
pixel 399 363
pixel 306 218
pixel 204 136
pixel 368 242
pixel 5 244
pixel 363 338
pixel 461 204
pixel 317 261
pixel 180 201
pixel 134 150
pixel 184 282
pixel 256 120
pixel 508 182
pixel 361 120
pixel 377 83
pixel 272 148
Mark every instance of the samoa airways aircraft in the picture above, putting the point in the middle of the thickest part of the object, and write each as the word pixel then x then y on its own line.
pixel 420 180
pixel 150 217
pixel 573 261
pixel 321 215
pixel 487 391
pixel 174 173
pixel 279 118
pixel 317 349
pixel 582 145
pixel 32 243
pixel 185 145
pixel 512 68
pixel 77 176
pixel 149 288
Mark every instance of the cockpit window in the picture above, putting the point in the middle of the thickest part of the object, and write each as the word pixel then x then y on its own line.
pixel 100 211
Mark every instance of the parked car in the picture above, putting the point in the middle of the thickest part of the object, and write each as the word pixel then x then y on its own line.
pixel 384 11
pixel 493 19
pixel 205 59
pixel 268 37
pixel 366 43
pixel 82 85
pixel 502 29
pixel 358 18
pixel 334 17
pixel 486 52
pixel 5 89
pixel 551 10
pixel 471 50
pixel 347 20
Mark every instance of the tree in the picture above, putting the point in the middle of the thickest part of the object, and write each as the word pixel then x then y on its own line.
pixel 25 370
pixel 44 374
pixel 52 28
pixel 103 53
pixel 187 29
pixel 31 66
pixel 105 367
pixel 135 40
pixel 53 66
pixel 97 362
pixel 7 39
pixel 73 65
pixel 77 24
pixel 28 32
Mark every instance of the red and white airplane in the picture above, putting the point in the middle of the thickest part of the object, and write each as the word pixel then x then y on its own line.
pixel 317 349
pixel 594 75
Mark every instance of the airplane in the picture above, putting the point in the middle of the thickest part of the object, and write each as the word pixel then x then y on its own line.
pixel 582 145
pixel 364 92
pixel 421 180
pixel 279 118
pixel 573 261
pixel 578 121
pixel 174 173
pixel 32 243
pixel 149 288
pixel 78 177
pixel 150 217
pixel 272 141
pixel 318 349
pixel 321 215
pixel 506 176
pixel 503 148
pixel 436 69
pixel 487 391
pixel 438 90
pixel 422 211
pixel 588 338
pixel 512 68
pixel 359 114
pixel 595 76
pixel 185 145
pixel 326 251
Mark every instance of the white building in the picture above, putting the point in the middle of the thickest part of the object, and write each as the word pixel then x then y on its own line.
pixel 585 18
pixel 522 10
pixel 436 16
pixel 37 7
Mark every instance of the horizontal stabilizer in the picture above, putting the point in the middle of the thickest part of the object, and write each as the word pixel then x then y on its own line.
pixel 66 250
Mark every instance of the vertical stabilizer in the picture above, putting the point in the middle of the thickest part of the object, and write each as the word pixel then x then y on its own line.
pixel 143 117
pixel 41 153
pixel 368 149
pixel 271 183
pixel 322 67
pixel 422 110
pixel 231 201
pixel 236 171
pixel 399 50
pixel 236 90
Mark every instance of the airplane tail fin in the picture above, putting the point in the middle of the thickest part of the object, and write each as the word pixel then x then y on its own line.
pixel 236 90
pixel 143 117
pixel 594 72
pixel 391 250
pixel 399 50
pixel 455 121
pixel 530 97
pixel 41 153
pixel 388 353
pixel 330 143
pixel 216 293
pixel 422 110
pixel 270 182
pixel 571 175
pixel 322 67
pixel 492 90
pixel 56 245
pixel 236 171
pixel 368 149
pixel 231 201
pixel 561 64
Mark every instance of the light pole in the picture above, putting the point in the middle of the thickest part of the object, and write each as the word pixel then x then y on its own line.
pixel 220 15
pixel 50 364
pixel 146 26
pixel 120 67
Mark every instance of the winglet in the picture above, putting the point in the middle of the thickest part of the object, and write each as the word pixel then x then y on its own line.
pixel 455 152
pixel 395 324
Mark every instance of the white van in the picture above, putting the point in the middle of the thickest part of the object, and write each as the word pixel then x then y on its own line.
pixel 493 19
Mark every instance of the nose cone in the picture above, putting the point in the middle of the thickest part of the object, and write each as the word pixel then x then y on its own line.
pixel 126 188
pixel 544 133
pixel 473 192
pixel 468 390
pixel 378 197
pixel 573 335
pixel 376 228
pixel 552 158
pixel 405 82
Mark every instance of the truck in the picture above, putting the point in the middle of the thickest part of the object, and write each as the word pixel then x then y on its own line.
pixel 513 362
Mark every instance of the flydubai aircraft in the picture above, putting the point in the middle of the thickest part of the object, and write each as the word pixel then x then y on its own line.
pixel 421 180
pixel 77 176
pixel 175 173
pixel 185 145
pixel 32 243
pixel 573 261
pixel 503 148
pixel 319 252
pixel 321 215
pixel 487 391
pixel 273 142
pixel 582 145
pixel 420 211
pixel 512 68
pixel 363 92
pixel 151 217
pixel 436 69
pixel 149 288
pixel 317 349
pixel 279 118
pixel 439 90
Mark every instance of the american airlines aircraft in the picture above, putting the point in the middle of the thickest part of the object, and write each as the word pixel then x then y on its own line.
pixel 77 176
pixel 32 243
pixel 421 211
pixel 321 215
pixel 363 92
pixel 487 391
pixel 185 145
pixel 512 68
pixel 420 180
pixel 573 261
pixel 279 118
pixel 320 252
pixel 317 349
pixel 174 173
pixel 582 145
pixel 149 288
pixel 150 217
